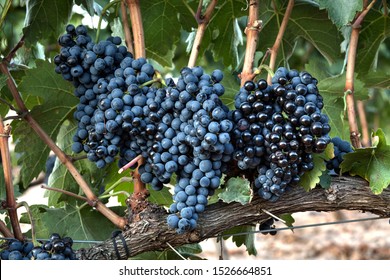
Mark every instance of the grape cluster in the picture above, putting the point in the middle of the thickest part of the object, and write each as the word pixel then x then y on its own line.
pixel 268 227
pixel 341 148
pixel 56 248
pixel 107 81
pixel 200 146
pixel 277 128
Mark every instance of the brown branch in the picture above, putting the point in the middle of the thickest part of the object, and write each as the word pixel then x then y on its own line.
pixel 5 231
pixel 252 32
pixel 126 28
pixel 93 200
pixel 279 37
pixel 350 72
pixel 12 53
pixel 366 139
pixel 203 21
pixel 5 132
pixel 151 232
pixel 136 25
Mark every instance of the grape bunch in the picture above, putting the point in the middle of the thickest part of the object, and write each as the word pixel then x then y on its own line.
pixel 341 147
pixel 107 81
pixel 268 227
pixel 56 248
pixel 277 129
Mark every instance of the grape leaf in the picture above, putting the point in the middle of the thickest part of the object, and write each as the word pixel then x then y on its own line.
pixel 161 28
pixel 378 80
pixel 370 163
pixel 237 190
pixel 341 12
pixel 310 179
pixel 288 218
pixel 3 107
pixel 59 104
pixel 61 178
pixel 45 19
pixel 375 30
pixel 306 21
pixel 247 239
pixel 332 90
pixel 87 4
pixel 80 224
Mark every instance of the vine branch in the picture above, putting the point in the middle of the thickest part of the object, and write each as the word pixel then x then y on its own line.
pixel 350 72
pixel 203 21
pixel 151 232
pixel 136 25
pixel 126 27
pixel 252 32
pixel 9 187
pixel 5 231
pixel 275 48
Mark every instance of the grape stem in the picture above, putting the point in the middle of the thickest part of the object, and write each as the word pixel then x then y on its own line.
pixel 275 48
pixel 93 201
pixel 252 32
pixel 30 216
pixel 366 139
pixel 5 132
pixel 131 163
pixel 126 28
pixel 5 231
pixel 350 72
pixel 65 192
pixel 203 20
pixel 136 25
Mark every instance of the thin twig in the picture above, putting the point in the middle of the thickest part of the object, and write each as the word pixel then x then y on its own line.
pixel 126 28
pixel 8 104
pixel 30 216
pixel 366 142
pixel 131 163
pixel 65 192
pixel 137 27
pixel 349 81
pixel 279 37
pixel 12 53
pixel 93 201
pixel 177 252
pixel 203 21
pixel 9 187
pixel 252 32
pixel 81 157
pixel 5 231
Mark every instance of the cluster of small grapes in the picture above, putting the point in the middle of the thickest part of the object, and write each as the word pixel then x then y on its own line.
pixel 341 148
pixel 268 227
pixel 277 128
pixel 56 248
pixel 107 82
pixel 196 144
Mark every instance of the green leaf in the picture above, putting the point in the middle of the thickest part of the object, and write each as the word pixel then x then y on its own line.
pixel 61 178
pixel 370 163
pixel 341 12
pixel 228 35
pixel 162 28
pixel 88 5
pixel 375 30
pixel 247 239
pixel 310 179
pixel 237 190
pixel 307 22
pixel 59 104
pixel 288 218
pixel 80 224
pixel 378 80
pixel 43 82
pixel 332 90
pixel 45 19
pixel 3 107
